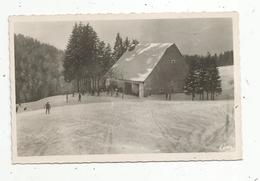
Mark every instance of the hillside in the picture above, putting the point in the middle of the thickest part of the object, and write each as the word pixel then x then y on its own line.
pixel 227 82
pixel 38 69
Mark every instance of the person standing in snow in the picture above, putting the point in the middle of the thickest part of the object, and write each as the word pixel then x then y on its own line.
pixel 79 97
pixel 116 90
pixel 169 95
pixel 172 93
pixel 166 94
pixel 48 108
pixel 67 98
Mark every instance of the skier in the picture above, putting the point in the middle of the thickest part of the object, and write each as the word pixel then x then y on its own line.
pixel 79 97
pixel 47 107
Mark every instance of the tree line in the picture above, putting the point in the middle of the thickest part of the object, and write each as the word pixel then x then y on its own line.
pixel 225 58
pixel 203 78
pixel 38 69
pixel 87 58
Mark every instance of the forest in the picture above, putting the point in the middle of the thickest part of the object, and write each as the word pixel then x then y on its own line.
pixel 38 69
pixel 41 70
pixel 203 78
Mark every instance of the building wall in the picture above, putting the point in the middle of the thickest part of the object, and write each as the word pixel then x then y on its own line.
pixel 135 88
pixel 170 73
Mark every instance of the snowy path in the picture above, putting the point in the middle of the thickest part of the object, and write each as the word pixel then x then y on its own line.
pixel 126 127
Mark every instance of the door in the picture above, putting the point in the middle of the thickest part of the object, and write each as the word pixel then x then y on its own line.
pixel 128 88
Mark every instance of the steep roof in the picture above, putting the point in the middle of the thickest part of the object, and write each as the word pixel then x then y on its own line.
pixel 137 64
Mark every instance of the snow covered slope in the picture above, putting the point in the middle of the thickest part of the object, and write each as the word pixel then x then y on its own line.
pixel 128 127
pixel 227 82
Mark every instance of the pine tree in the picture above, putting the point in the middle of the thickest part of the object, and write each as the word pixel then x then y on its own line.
pixel 191 82
pixel 108 58
pixel 89 52
pixel 133 44
pixel 214 82
pixel 203 77
pixel 104 59
pixel 126 44
pixel 80 56
pixel 72 57
pixel 121 46
pixel 118 47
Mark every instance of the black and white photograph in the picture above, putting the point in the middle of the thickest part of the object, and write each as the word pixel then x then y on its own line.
pixel 126 87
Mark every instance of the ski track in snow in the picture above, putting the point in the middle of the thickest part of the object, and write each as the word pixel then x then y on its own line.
pixel 127 127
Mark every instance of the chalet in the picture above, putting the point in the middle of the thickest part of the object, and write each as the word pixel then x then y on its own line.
pixel 151 68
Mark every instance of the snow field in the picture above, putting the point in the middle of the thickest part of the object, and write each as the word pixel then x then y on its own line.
pixel 127 127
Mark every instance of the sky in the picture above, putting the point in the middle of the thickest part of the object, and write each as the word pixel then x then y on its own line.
pixel 192 36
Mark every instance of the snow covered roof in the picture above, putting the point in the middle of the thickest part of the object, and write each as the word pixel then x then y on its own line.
pixel 137 64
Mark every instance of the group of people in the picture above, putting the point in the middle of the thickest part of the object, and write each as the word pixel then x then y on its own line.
pixel 168 93
pixel 67 97
pixel 47 106
pixel 20 106
pixel 115 91
pixel 168 96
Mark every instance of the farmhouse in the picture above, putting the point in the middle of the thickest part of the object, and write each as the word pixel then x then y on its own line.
pixel 151 68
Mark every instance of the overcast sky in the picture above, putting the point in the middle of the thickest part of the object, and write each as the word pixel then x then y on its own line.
pixel 192 36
